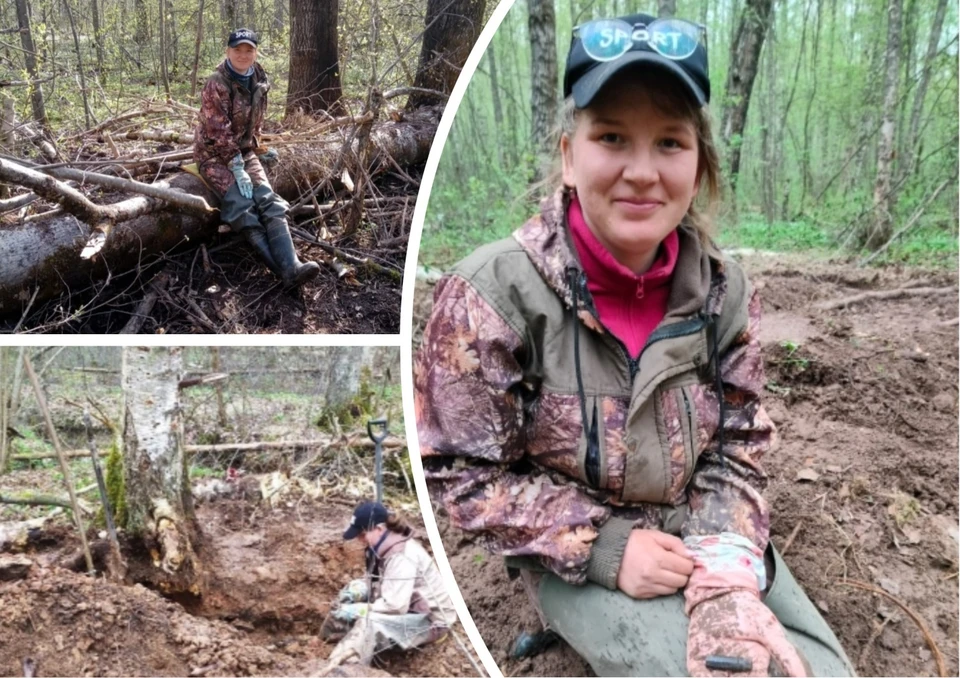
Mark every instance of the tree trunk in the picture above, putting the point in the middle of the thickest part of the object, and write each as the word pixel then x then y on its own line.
pixel 452 28
pixel 882 223
pixel 87 114
pixel 30 60
pixel 97 38
pixel 343 379
pixel 909 159
pixel 279 13
pixel 498 107
pixel 8 121
pixel 314 83
pixel 543 77
pixel 44 256
pixel 158 502
pixel 744 60
pixel 221 406
pixel 196 52
pixel 163 49
pixel 231 14
pixel 142 34
pixel 4 399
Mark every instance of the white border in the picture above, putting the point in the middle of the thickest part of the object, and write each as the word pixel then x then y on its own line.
pixel 406 332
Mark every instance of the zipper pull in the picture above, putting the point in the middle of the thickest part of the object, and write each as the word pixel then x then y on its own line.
pixel 640 288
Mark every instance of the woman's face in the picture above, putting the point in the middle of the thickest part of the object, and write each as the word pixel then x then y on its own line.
pixel 242 57
pixel 635 172
pixel 372 536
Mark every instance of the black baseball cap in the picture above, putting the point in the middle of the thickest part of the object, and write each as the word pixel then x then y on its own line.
pixel 367 515
pixel 585 76
pixel 241 36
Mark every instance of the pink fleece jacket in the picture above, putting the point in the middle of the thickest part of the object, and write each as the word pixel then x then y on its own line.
pixel 629 305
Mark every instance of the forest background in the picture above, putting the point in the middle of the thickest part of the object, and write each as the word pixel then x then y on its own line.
pixel 836 121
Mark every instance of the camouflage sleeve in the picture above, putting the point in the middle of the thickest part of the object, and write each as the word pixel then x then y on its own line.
pixel 469 390
pixel 725 495
pixel 215 122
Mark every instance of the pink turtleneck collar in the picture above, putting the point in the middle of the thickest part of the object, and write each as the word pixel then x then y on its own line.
pixel 629 305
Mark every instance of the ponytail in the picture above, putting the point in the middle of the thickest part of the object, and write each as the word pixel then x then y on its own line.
pixel 395 523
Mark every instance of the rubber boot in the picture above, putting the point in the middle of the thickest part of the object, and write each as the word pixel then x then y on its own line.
pixel 532 644
pixel 293 272
pixel 258 241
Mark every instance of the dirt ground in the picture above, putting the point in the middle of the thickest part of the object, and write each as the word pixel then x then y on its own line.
pixel 865 479
pixel 270 579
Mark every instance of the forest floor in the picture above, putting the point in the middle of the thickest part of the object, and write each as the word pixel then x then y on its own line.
pixel 864 481
pixel 221 286
pixel 271 574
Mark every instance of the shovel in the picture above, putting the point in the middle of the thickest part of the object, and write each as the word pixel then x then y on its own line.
pixel 380 423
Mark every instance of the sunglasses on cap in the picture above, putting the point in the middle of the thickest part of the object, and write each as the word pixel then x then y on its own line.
pixel 609 39
pixel 602 48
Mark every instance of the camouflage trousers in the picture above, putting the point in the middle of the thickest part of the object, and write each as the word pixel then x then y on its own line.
pixel 620 636
pixel 377 631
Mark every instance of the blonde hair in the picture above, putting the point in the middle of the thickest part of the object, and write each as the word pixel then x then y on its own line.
pixel 672 102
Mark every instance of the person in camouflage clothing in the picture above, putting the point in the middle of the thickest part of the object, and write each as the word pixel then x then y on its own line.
pixel 587 391
pixel 228 154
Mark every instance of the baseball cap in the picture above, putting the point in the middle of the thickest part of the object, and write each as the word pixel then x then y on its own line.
pixel 600 49
pixel 366 515
pixel 241 36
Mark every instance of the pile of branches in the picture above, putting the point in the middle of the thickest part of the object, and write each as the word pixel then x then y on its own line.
pixel 104 231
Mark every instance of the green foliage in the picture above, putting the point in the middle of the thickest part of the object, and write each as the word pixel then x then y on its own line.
pixel 197 472
pixel 116 486
pixel 932 244
pixel 808 149
pixel 779 236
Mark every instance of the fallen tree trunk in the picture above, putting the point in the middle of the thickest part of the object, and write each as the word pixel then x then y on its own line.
pixel 41 259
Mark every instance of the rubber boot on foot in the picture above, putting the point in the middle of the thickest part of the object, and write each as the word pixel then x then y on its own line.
pixel 532 644
pixel 293 272
pixel 258 241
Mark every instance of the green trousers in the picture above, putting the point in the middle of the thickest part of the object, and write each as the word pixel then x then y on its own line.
pixel 620 636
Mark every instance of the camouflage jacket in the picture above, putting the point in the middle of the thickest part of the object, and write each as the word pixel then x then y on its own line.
pixel 500 411
pixel 227 108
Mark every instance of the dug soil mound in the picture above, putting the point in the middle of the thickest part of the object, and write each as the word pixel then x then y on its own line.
pixel 271 575
pixel 863 486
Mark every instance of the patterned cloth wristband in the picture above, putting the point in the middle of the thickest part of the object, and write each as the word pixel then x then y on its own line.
pixel 726 558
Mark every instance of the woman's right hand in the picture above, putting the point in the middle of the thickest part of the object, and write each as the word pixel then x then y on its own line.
pixel 654 564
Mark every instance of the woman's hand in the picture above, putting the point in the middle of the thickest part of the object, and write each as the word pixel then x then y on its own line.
pixel 736 624
pixel 654 564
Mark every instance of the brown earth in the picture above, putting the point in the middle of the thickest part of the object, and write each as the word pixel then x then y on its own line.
pixel 270 578
pixel 866 403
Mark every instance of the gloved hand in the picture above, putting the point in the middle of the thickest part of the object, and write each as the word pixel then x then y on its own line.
pixel 351 611
pixel 354 592
pixel 270 158
pixel 243 179
pixel 737 624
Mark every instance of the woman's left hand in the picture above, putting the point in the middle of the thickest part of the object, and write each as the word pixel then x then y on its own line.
pixel 736 624
pixel 351 611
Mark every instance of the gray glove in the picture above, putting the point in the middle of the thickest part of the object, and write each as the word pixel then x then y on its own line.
pixel 243 179
pixel 354 592
pixel 270 158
